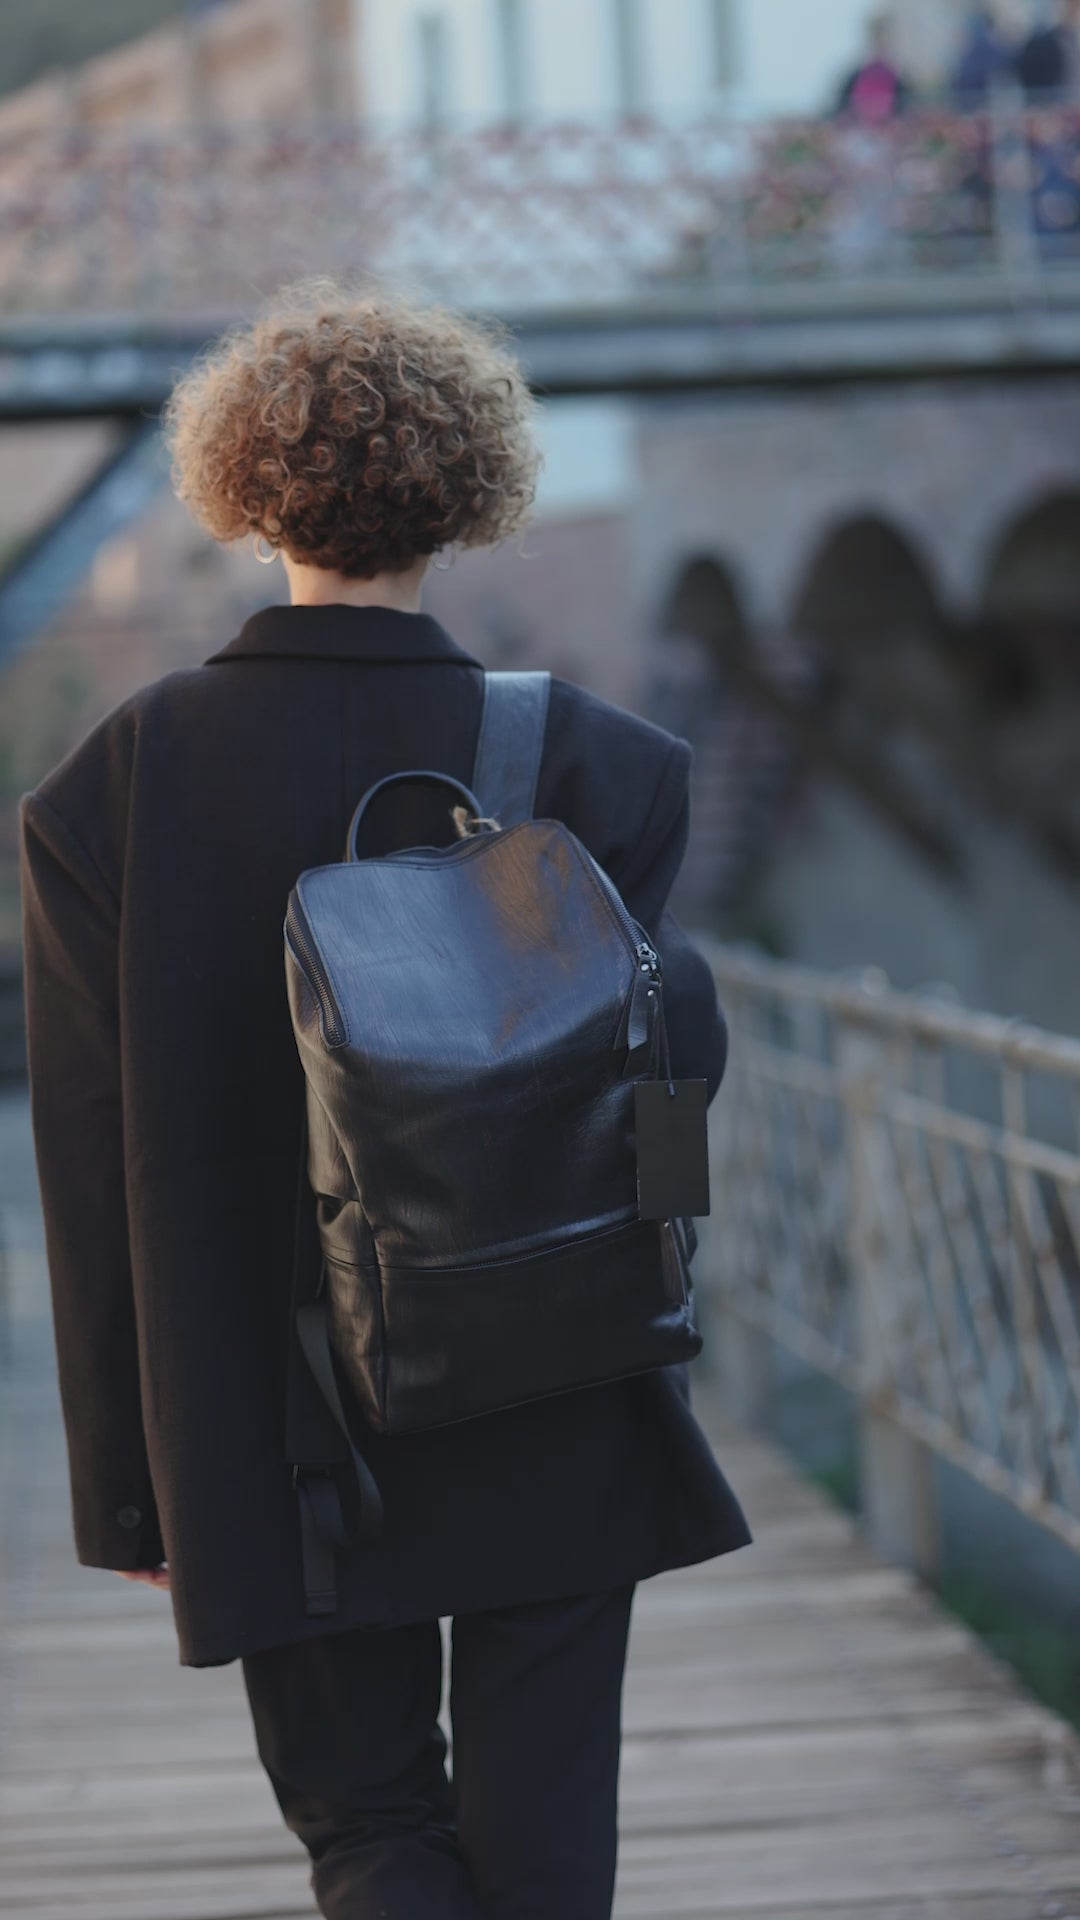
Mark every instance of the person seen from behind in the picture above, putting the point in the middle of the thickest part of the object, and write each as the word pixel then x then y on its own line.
pixel 354 435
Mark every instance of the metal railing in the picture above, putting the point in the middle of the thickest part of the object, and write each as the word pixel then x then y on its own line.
pixel 897 1202
pixel 556 213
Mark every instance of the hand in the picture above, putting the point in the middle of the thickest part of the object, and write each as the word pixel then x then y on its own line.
pixel 150 1576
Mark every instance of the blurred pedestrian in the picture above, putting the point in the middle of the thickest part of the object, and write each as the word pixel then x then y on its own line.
pixel 1049 60
pixel 863 229
pixel 985 58
pixel 353 438
pixel 876 91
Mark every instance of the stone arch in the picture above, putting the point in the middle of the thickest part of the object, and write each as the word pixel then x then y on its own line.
pixel 715 684
pixel 1032 579
pixel 1026 623
pixel 889 719
pixel 701 627
pixel 705 600
pixel 867 585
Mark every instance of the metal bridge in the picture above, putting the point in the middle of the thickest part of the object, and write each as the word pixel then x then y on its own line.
pixel 897 1201
pixel 626 255
pixel 632 256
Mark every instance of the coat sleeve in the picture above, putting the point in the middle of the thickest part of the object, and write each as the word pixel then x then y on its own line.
pixel 697 1033
pixel 70 933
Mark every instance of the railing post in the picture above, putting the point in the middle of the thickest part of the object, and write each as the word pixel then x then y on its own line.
pixel 896 1470
pixel 1012 188
pixel 744 1370
pixel 731 1250
pixel 192 69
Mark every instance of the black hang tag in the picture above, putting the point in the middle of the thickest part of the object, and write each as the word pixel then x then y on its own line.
pixel 672 1148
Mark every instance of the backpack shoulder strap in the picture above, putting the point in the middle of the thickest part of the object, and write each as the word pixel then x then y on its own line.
pixel 511 744
pixel 318 1439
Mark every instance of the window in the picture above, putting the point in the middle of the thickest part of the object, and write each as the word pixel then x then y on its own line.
pixel 510 41
pixel 432 34
pixel 630 89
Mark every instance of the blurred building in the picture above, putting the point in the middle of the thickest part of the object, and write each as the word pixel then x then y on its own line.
pixel 237 62
pixel 491 60
pixel 403 62
pixel 504 59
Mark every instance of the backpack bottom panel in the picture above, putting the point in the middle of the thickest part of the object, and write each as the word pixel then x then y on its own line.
pixel 425 1347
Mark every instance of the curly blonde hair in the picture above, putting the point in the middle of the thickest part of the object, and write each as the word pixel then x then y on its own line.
pixel 356 431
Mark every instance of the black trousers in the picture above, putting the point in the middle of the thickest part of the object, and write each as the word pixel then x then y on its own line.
pixel 347 1729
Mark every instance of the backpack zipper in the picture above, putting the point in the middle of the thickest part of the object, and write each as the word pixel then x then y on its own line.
pixel 640 1024
pixel 644 995
pixel 645 955
pixel 300 938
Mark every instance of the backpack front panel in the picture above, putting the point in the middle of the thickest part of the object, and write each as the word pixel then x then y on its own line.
pixel 468 1072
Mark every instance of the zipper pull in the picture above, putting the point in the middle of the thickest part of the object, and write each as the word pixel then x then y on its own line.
pixel 643 999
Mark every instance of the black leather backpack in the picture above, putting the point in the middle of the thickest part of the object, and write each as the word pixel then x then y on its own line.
pixel 472 1019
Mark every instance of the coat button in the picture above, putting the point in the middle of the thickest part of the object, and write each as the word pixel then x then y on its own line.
pixel 129 1516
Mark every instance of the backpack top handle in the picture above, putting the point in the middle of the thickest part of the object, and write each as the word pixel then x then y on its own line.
pixel 509 750
pixel 420 778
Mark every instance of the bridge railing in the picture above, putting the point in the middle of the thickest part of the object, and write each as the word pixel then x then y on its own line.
pixel 896 1201
pixel 200 220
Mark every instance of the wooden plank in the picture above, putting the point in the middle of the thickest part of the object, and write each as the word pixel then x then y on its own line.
pixel 808 1735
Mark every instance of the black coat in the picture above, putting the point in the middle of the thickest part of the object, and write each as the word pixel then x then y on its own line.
pixel 167 1099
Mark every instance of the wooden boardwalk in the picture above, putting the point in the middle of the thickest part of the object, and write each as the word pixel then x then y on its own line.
pixel 807 1733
